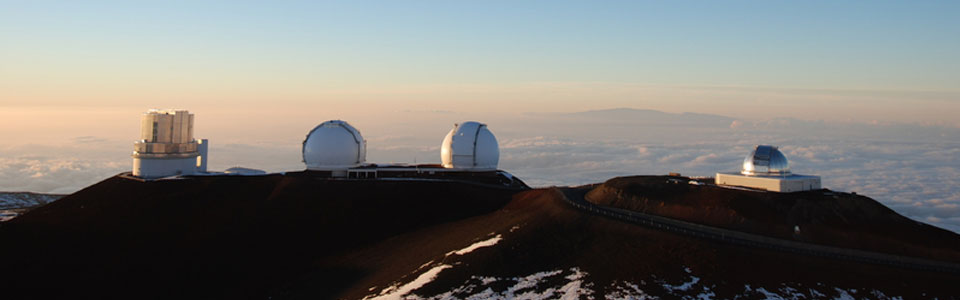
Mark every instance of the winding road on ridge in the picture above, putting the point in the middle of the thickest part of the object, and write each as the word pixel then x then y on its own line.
pixel 575 197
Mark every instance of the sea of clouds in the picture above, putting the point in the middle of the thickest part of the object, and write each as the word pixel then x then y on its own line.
pixel 913 169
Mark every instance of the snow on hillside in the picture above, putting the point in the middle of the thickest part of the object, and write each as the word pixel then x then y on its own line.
pixel 574 283
pixel 6 215
pixel 14 200
pixel 12 204
pixel 397 291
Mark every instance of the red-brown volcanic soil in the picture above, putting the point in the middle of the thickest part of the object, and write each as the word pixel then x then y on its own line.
pixel 298 237
pixel 216 237
pixel 552 235
pixel 824 217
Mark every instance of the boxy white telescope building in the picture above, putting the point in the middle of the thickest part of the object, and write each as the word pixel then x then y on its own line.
pixel 167 147
pixel 766 168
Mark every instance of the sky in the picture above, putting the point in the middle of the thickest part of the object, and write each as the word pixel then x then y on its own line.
pixel 858 91
pixel 880 58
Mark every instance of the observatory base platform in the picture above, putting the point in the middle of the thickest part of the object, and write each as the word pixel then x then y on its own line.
pixel 782 184
pixel 163 166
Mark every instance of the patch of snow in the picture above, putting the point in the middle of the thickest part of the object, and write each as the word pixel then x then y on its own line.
pixel 485 294
pixel 395 292
pixel 7 216
pixel 881 295
pixel 683 287
pixel 424 265
pixel 487 280
pixel 794 291
pixel 514 228
pixel 843 295
pixel 791 292
pixel 817 293
pixel 485 243
pixel 572 286
pixel 15 200
pixel 531 281
pixel 706 296
pixel 626 290
pixel 573 290
pixel 769 295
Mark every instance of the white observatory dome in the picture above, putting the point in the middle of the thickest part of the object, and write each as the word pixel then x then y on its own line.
pixel 470 145
pixel 334 145
pixel 765 160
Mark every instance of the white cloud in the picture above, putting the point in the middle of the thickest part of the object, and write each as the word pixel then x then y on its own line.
pixel 914 170
pixel 53 175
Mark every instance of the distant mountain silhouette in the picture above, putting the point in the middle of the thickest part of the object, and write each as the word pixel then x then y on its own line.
pixel 647 116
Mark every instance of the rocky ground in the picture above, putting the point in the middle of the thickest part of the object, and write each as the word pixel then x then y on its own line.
pixel 297 236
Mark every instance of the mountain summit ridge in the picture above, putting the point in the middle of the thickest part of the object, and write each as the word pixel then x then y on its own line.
pixel 299 235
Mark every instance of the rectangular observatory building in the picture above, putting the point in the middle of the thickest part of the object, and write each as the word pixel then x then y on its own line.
pixel 167 147
pixel 782 184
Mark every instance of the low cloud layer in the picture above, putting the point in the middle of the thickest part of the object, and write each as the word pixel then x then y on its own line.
pixel 913 169
pixel 921 181
pixel 57 170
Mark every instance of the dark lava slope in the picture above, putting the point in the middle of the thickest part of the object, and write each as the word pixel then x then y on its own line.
pixel 228 237
pixel 547 248
pixel 822 216
pixel 300 237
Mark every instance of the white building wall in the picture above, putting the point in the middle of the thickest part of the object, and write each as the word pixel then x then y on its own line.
pixel 171 126
pixel 164 128
pixel 787 184
pixel 799 183
pixel 163 167
pixel 189 128
pixel 176 128
pixel 146 128
pixel 202 147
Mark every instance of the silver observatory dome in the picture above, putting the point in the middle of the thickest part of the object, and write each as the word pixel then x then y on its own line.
pixel 470 146
pixel 334 145
pixel 766 160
